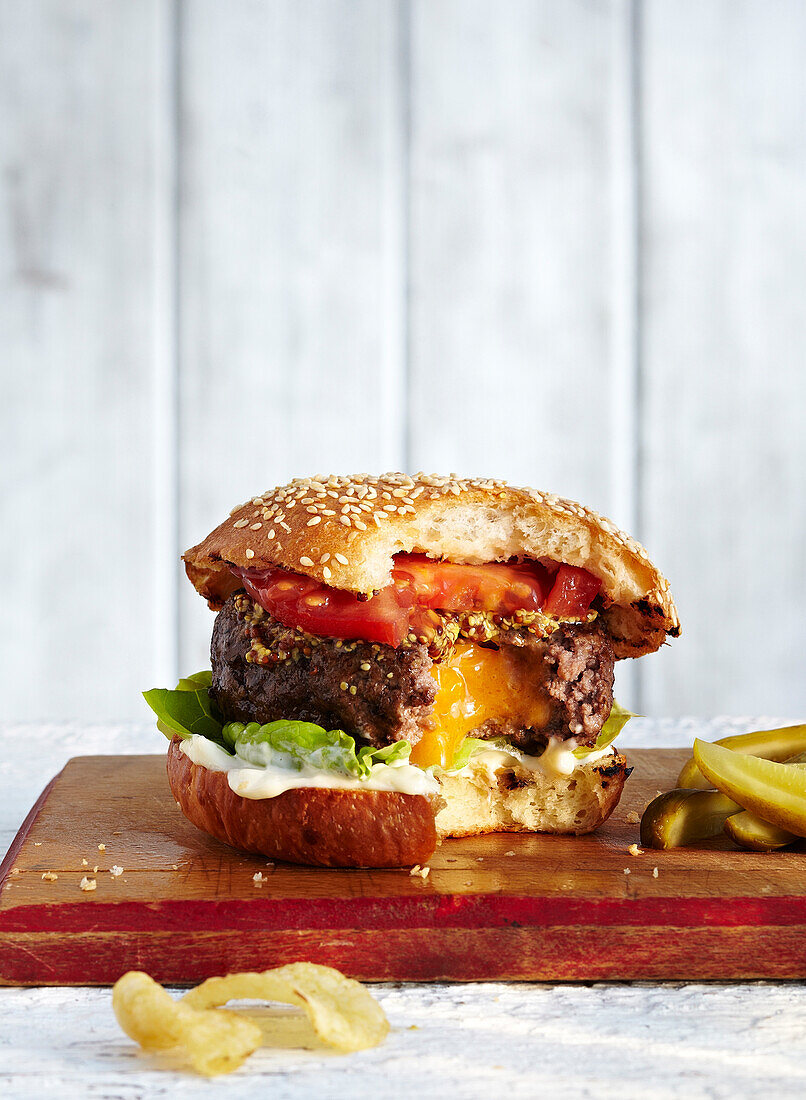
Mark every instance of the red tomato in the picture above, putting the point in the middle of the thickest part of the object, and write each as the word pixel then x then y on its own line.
pixel 308 605
pixel 419 584
pixel 494 586
pixel 572 593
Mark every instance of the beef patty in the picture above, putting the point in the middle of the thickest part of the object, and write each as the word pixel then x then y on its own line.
pixel 263 671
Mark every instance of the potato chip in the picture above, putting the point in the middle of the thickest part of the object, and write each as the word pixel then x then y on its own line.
pixel 342 1012
pixel 213 1041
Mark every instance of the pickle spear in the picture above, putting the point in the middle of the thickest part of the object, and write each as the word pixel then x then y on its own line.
pixel 749 831
pixel 682 817
pixel 769 744
pixel 774 792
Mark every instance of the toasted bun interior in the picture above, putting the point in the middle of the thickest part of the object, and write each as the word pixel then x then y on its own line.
pixel 345 531
pixel 516 800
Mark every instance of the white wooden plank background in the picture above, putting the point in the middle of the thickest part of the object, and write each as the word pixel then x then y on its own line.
pixel 558 241
pixel 723 474
pixel 291 277
pixel 85 274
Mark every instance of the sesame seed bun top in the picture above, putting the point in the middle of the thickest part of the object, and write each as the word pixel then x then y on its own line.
pixel 344 531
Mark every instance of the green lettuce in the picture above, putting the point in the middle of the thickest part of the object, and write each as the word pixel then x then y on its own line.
pixel 617 719
pixel 467 750
pixel 303 743
pixel 187 710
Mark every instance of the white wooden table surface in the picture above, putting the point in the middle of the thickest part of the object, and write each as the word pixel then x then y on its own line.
pixel 495 1039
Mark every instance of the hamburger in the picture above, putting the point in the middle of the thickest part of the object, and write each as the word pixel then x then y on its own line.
pixel 397 660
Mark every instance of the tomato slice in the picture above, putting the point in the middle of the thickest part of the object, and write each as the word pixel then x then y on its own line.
pixel 305 604
pixel 572 593
pixel 419 585
pixel 494 586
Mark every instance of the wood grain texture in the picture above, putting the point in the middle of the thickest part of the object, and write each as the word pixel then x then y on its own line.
pixel 724 260
pixel 291 340
pixel 492 908
pixel 81 150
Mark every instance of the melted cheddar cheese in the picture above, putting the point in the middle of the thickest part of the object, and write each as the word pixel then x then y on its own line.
pixel 475 685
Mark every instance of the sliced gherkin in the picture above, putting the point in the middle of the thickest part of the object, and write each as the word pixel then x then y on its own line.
pixel 682 817
pixel 779 744
pixel 773 791
pixel 749 831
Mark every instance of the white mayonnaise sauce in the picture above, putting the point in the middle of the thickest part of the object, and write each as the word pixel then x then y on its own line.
pixel 557 760
pixel 268 781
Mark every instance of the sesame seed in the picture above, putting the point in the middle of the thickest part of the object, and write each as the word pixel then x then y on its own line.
pixel 271 534
pixel 345 520
pixel 353 689
pixel 324 558
pixel 304 560
pixel 357 523
pixel 343 685
pixel 250 553
pixel 365 666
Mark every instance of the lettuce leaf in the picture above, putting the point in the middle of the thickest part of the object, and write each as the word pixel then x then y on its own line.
pixel 188 710
pixel 195 682
pixel 466 751
pixel 300 744
pixel 617 719
pixel 183 712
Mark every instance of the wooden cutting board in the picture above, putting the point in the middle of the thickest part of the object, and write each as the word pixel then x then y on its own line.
pixel 497 907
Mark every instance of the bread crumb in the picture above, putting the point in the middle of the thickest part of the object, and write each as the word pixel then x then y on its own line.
pixel 14 871
pixel 50 876
pixel 633 818
pixel 479 859
pixel 420 872
pixel 509 853
pixel 84 863
pixel 114 870
pixel 87 884
pixel 101 847
pixel 95 869
pixel 654 872
pixel 626 870
pixel 174 866
pixel 259 878
pixel 634 850
pixel 37 844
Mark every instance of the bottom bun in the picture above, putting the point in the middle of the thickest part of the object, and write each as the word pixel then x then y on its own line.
pixel 512 799
pixel 324 827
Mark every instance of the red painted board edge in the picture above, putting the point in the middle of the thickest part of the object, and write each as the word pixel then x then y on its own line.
pixel 552 954
pixel 22 832
pixel 471 911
